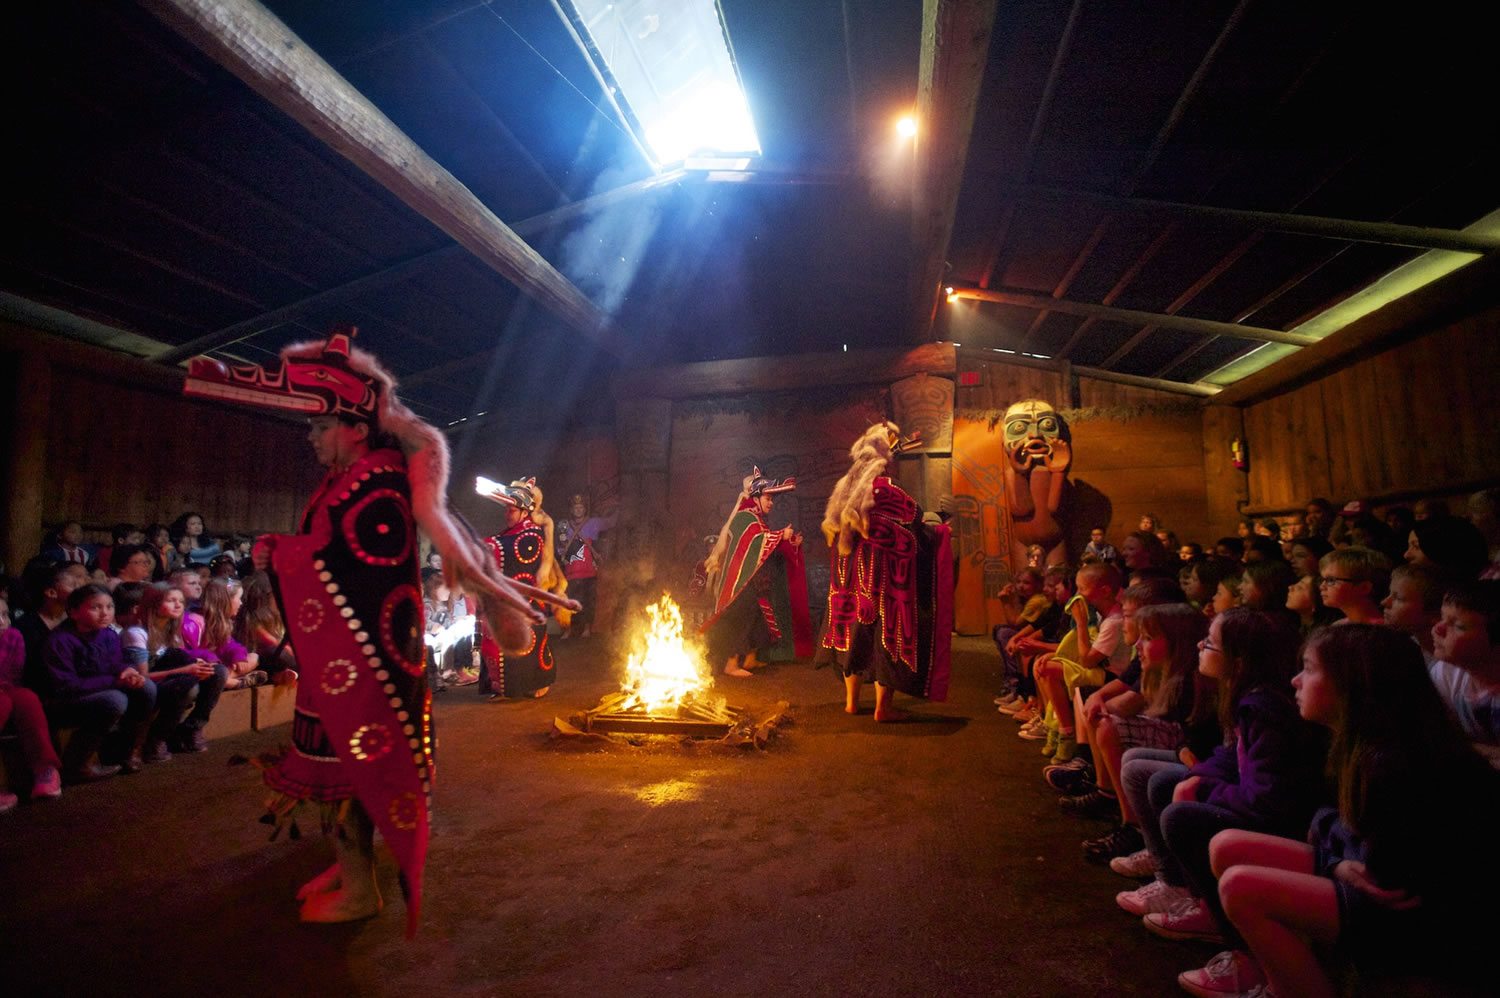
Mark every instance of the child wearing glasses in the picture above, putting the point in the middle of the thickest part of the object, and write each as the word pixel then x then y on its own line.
pixel 1354 580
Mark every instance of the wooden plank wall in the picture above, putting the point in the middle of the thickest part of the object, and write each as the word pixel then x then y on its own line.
pixel 1419 417
pixel 117 452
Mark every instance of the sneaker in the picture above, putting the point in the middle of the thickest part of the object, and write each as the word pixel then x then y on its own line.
pixel 1070 779
pixel 1138 864
pixel 1121 842
pixel 1067 749
pixel 1229 973
pixel 1049 747
pixel 1005 699
pixel 1094 804
pixel 255 678
pixel 130 765
pixel 156 751
pixel 1029 712
pixel 1034 732
pixel 189 740
pixel 1187 919
pixel 48 785
pixel 1155 896
pixel 1015 705
pixel 93 772
pixel 8 801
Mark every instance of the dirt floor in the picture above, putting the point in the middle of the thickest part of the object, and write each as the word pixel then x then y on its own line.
pixel 926 858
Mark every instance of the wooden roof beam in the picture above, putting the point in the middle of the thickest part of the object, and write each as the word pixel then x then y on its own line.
pixel 1204 327
pixel 955 47
pixel 251 42
pixel 1352 230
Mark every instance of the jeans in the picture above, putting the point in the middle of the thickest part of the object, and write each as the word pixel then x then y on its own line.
pixel 1188 826
pixel 119 710
pixel 1147 778
pixel 207 698
pixel 174 698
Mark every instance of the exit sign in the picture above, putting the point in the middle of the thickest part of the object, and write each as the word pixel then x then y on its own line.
pixel 968 378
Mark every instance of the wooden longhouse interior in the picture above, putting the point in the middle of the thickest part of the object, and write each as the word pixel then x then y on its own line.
pixel 1246 247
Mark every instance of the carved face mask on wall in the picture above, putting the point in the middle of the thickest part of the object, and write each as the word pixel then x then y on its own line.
pixel 1032 428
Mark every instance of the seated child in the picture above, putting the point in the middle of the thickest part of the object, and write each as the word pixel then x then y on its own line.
pixel 48 585
pixel 21 712
pixel 90 687
pixel 1099 656
pixel 1466 671
pixel 1022 602
pixel 1414 604
pixel 258 626
pixel 1180 712
pixel 1099 547
pixel 1395 893
pixel 1266 776
pixel 1034 640
pixel 1354 581
pixel 1305 599
pixel 222 600
pixel 182 671
pixel 1119 695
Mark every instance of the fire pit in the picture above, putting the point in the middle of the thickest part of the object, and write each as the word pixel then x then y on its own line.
pixel 667 688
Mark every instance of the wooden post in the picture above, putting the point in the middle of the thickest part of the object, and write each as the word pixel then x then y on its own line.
pixel 253 44
pixel 26 465
pixel 955 48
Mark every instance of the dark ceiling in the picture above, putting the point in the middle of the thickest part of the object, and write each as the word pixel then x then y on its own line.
pixel 153 192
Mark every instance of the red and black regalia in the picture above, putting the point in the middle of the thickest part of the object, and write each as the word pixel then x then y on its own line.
pixel 890 590
pixel 759 586
pixel 519 551
pixel 348 589
pixel 347 586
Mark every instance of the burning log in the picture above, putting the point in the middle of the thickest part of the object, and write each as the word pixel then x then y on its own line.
pixel 667 687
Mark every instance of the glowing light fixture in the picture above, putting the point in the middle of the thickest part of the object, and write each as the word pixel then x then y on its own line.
pixel 906 127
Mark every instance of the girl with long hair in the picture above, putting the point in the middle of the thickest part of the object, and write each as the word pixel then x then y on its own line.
pixel 1265 776
pixel 221 603
pixel 1175 709
pixel 1398 871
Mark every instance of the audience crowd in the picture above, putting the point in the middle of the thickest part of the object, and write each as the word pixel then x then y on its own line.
pixel 1293 740
pixel 1291 735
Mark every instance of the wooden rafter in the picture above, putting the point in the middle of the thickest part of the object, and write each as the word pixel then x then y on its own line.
pixel 955 47
pixel 1206 327
pixel 251 42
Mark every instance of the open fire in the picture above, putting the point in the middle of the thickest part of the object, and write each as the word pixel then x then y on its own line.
pixel 667 687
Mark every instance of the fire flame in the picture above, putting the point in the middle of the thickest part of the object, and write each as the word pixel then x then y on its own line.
pixel 663 672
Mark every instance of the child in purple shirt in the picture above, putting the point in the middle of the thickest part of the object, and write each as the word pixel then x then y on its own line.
pixel 89 687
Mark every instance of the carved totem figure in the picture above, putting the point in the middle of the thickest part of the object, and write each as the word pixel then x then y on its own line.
pixel 1039 451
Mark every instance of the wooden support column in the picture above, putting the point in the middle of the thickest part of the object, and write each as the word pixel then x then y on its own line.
pixel 26 458
pixel 955 47
pixel 253 44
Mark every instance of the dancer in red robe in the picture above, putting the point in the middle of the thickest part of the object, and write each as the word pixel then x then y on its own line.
pixel 347 585
pixel 759 584
pixel 523 552
pixel 890 589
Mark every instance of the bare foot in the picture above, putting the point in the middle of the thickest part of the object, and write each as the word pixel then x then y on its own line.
pixel 888 716
pixel 342 906
pixel 324 882
pixel 751 662
pixel 851 708
pixel 734 670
